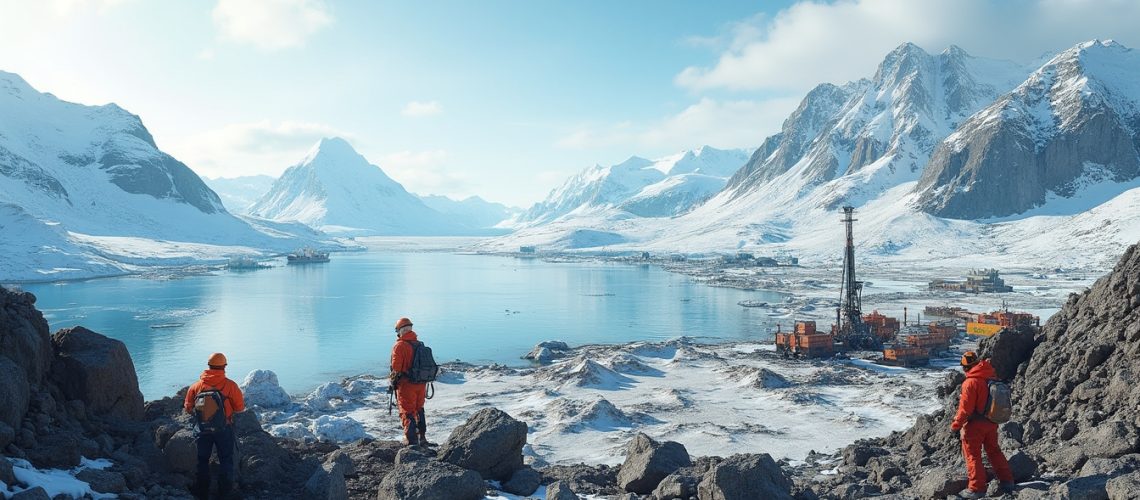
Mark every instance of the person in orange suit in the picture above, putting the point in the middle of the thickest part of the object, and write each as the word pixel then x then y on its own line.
pixel 409 396
pixel 976 431
pixel 214 379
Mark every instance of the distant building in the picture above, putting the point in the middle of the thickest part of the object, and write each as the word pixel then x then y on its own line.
pixel 766 262
pixel 978 281
pixel 677 257
pixel 645 256
pixel 526 249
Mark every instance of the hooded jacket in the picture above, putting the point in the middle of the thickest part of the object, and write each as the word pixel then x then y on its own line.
pixel 216 379
pixel 975 393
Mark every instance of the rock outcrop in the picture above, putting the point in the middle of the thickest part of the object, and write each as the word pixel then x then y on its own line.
pixel 490 443
pixel 431 480
pixel 98 371
pixel 647 462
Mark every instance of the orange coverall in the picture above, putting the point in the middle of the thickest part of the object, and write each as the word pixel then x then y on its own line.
pixel 409 396
pixel 980 431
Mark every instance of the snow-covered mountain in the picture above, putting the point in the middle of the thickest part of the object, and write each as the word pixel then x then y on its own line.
pixel 336 190
pixel 646 188
pixel 473 211
pixel 88 189
pixel 1074 122
pixel 928 139
pixel 240 193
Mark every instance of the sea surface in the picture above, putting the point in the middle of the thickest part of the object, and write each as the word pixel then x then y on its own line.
pixel 320 322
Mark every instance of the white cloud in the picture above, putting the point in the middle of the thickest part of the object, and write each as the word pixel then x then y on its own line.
pixel 810 43
pixel 263 147
pixel 426 172
pixel 726 124
pixel 271 24
pixel 68 7
pixel 417 109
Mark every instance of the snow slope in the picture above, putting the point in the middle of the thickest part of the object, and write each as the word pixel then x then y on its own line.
pixel 336 190
pixel 72 174
pixel 870 144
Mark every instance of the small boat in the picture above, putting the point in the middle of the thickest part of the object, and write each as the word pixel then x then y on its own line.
pixel 167 325
pixel 308 256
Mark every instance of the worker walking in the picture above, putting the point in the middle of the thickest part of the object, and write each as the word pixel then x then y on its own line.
pixel 976 431
pixel 213 400
pixel 412 368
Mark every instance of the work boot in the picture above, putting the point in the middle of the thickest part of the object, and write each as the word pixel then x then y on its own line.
pixel 424 441
pixel 968 493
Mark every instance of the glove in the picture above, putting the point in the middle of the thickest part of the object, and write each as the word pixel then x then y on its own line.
pixel 957 434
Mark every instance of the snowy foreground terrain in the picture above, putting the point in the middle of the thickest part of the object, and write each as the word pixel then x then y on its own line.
pixel 715 399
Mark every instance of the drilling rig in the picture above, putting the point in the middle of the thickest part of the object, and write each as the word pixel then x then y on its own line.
pixel 849 329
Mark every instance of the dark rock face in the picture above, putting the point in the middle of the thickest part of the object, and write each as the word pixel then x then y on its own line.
pixel 431 480
pixel 490 443
pixel 156 174
pixel 582 478
pixel 14 394
pixel 24 338
pixel 683 483
pixel 103 481
pixel 37 493
pixel 745 477
pixel 98 371
pixel 524 482
pixel 1004 160
pixel 560 491
pixel 647 462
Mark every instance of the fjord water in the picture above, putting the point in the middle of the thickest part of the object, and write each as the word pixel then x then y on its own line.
pixel 317 323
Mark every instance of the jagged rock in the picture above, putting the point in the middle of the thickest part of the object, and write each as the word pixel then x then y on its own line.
pixel 7 435
pixel 1123 487
pixel 1023 466
pixel 327 483
pixel 14 395
pixel 103 481
pixel 6 475
pixel 1082 488
pixel 582 478
pixel 545 352
pixel 858 454
pixel 181 451
pixel 940 482
pixel 1110 466
pixel 342 460
pixel 410 454
pixel 37 493
pixel 55 450
pixel 683 483
pixel 1008 350
pixel 560 491
pixel 1108 440
pixel 431 480
pixel 97 370
pixel 24 335
pixel 647 462
pixel 524 482
pixel 262 461
pixel 745 477
pixel 261 388
pixel 490 443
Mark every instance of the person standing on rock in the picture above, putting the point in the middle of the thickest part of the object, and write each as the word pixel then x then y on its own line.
pixel 213 400
pixel 410 396
pixel 976 431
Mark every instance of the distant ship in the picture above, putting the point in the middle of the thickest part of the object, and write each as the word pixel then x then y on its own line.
pixel 308 256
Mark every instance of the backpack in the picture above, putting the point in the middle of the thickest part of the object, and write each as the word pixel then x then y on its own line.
pixel 424 368
pixel 210 410
pixel 999 404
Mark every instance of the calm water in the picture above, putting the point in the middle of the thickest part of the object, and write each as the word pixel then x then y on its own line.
pixel 317 323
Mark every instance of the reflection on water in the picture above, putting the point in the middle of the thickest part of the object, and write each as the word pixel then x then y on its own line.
pixel 316 323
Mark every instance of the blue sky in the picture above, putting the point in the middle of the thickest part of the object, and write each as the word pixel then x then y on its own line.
pixel 501 99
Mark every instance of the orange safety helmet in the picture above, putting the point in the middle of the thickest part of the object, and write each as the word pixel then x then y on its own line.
pixel 402 322
pixel 217 359
pixel 969 358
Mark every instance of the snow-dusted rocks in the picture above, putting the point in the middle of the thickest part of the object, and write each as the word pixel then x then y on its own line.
pixel 547 351
pixel 260 388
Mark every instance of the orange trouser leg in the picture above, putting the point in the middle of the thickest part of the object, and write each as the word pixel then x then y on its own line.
pixel 972 451
pixel 410 398
pixel 997 458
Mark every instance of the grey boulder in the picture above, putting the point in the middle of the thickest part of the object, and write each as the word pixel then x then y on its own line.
pixel 431 480
pixel 647 462
pixel 490 443
pixel 744 477
pixel 98 371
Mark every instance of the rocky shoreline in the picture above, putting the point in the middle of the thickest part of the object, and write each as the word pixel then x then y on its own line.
pixel 74 395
